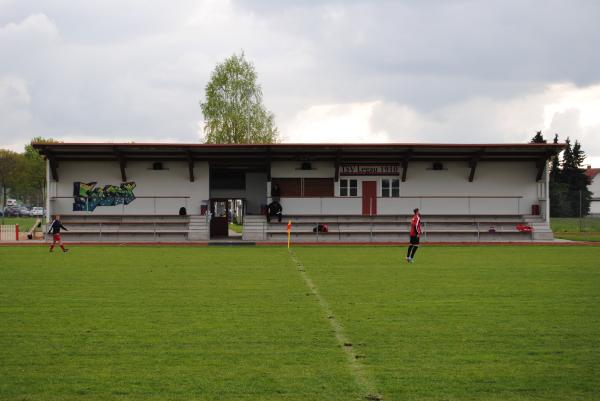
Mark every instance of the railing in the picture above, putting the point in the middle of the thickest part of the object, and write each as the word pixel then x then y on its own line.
pixel 145 208
pixel 460 205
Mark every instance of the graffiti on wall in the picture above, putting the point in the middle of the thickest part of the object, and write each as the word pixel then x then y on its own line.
pixel 87 196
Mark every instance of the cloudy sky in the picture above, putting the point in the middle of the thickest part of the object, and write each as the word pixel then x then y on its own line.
pixel 331 71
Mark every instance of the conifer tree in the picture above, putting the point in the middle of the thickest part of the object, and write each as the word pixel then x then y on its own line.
pixel 538 138
pixel 569 195
pixel 554 169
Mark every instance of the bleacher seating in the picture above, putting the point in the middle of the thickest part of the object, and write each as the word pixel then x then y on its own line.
pixel 125 228
pixel 395 228
pixel 380 229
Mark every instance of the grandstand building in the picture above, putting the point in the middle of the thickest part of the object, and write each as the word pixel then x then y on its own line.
pixel 361 192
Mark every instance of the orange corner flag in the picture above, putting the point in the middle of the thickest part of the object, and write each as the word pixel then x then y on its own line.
pixel 289 231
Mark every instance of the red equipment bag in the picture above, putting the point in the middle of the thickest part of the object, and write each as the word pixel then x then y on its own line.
pixel 524 228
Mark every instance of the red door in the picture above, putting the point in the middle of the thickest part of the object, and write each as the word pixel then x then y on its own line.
pixel 369 198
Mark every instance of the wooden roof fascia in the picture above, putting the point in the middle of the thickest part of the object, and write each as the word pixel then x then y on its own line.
pixel 300 152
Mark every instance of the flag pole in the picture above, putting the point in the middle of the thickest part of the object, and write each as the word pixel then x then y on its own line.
pixel 289 231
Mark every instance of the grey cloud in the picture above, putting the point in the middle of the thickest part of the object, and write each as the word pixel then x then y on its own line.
pixel 512 43
pixel 137 69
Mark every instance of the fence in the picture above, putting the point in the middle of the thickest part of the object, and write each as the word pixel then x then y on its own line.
pixel 575 214
pixel 9 232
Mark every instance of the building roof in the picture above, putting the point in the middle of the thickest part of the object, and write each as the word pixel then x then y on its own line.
pixel 367 152
pixel 592 172
pixel 260 156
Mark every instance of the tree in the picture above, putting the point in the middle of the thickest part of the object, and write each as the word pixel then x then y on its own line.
pixel 569 195
pixel 233 110
pixel 567 158
pixel 578 155
pixel 554 169
pixel 33 187
pixel 538 138
pixel 23 175
pixel 579 197
pixel 9 167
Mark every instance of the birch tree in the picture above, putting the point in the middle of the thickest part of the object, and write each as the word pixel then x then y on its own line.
pixel 233 108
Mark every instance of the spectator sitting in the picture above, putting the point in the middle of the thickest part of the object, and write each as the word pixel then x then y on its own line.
pixel 274 209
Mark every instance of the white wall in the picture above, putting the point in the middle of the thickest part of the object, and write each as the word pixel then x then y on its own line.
pixel 292 170
pixel 594 187
pixel 174 181
pixel 321 206
pixel 255 192
pixel 492 180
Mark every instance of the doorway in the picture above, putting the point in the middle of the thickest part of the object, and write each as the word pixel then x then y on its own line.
pixel 369 198
pixel 227 218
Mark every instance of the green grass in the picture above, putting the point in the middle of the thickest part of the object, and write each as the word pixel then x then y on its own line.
pixel 25 223
pixel 183 323
pixel 501 323
pixel 580 236
pixel 236 227
pixel 586 229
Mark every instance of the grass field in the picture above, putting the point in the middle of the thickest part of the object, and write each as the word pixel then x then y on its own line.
pixel 236 227
pixel 183 323
pixel 24 223
pixel 586 229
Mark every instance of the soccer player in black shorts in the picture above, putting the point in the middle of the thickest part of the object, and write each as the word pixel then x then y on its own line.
pixel 415 234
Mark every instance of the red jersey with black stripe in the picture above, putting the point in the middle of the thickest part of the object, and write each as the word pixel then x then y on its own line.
pixel 415 226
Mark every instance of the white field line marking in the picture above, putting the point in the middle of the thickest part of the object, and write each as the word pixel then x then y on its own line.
pixel 358 369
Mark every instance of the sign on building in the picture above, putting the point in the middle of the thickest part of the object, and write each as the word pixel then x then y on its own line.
pixel 369 169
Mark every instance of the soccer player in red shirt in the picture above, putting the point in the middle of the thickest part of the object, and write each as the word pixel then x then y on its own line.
pixel 55 227
pixel 415 233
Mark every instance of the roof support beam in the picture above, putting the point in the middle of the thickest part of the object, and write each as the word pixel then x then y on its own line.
pixel 404 168
pixel 540 164
pixel 404 164
pixel 338 157
pixel 123 167
pixel 268 157
pixel 53 167
pixel 190 160
pixel 473 165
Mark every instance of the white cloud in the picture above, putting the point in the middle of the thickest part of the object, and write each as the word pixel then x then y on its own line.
pixel 36 26
pixel 334 123
pixel 15 112
pixel 556 109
